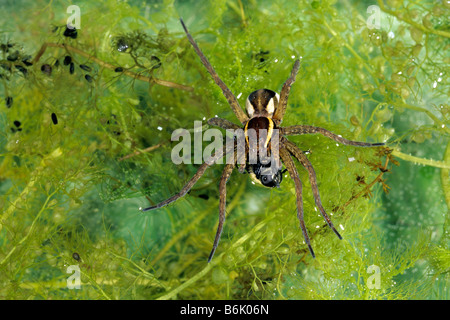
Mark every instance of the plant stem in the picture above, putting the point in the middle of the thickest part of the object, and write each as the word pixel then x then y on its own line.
pixel 34 176
pixel 412 23
pixel 110 66
pixel 213 263
pixel 44 206
pixel 417 160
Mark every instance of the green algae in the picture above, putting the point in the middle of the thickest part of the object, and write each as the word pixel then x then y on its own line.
pixel 76 186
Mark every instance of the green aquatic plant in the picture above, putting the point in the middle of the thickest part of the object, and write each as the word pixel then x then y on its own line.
pixel 86 124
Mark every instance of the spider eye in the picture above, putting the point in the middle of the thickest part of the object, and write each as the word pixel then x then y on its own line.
pixel 267 181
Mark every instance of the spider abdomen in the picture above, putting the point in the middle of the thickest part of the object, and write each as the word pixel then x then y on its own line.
pixel 262 128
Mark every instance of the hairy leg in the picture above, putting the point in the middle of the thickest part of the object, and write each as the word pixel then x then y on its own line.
pixel 284 94
pixel 201 170
pixel 305 129
pixel 223 123
pixel 232 101
pixel 222 206
pixel 300 156
pixel 290 166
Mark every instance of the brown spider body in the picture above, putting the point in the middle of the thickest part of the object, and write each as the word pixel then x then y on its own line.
pixel 265 112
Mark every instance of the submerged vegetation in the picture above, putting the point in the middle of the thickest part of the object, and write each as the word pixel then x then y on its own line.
pixel 86 120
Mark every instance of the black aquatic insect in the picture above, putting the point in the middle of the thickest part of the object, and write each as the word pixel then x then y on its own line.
pixel 71 32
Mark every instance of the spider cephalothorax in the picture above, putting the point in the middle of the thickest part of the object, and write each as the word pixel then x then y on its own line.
pixel 265 112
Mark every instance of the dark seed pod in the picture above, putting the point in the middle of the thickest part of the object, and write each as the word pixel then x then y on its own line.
pixel 47 69
pixel 5 66
pixel 88 78
pixel 26 62
pixel 156 62
pixel 118 69
pixel 71 32
pixel 9 101
pixel 72 68
pixel 21 69
pixel 54 118
pixel 17 123
pixel 67 60
pixel 13 56
pixel 85 67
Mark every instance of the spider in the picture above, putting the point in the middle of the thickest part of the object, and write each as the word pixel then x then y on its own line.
pixel 265 110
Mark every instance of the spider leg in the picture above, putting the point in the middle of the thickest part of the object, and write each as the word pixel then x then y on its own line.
pixel 222 205
pixel 241 157
pixel 284 94
pixel 241 145
pixel 300 156
pixel 305 129
pixel 201 170
pixel 223 123
pixel 232 101
pixel 290 166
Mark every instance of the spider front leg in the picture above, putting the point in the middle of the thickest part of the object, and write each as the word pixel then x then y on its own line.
pixel 300 156
pixel 223 123
pixel 305 129
pixel 222 205
pixel 232 101
pixel 284 94
pixel 290 166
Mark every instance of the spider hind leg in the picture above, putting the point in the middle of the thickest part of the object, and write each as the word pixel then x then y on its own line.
pixel 300 156
pixel 290 166
pixel 222 206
